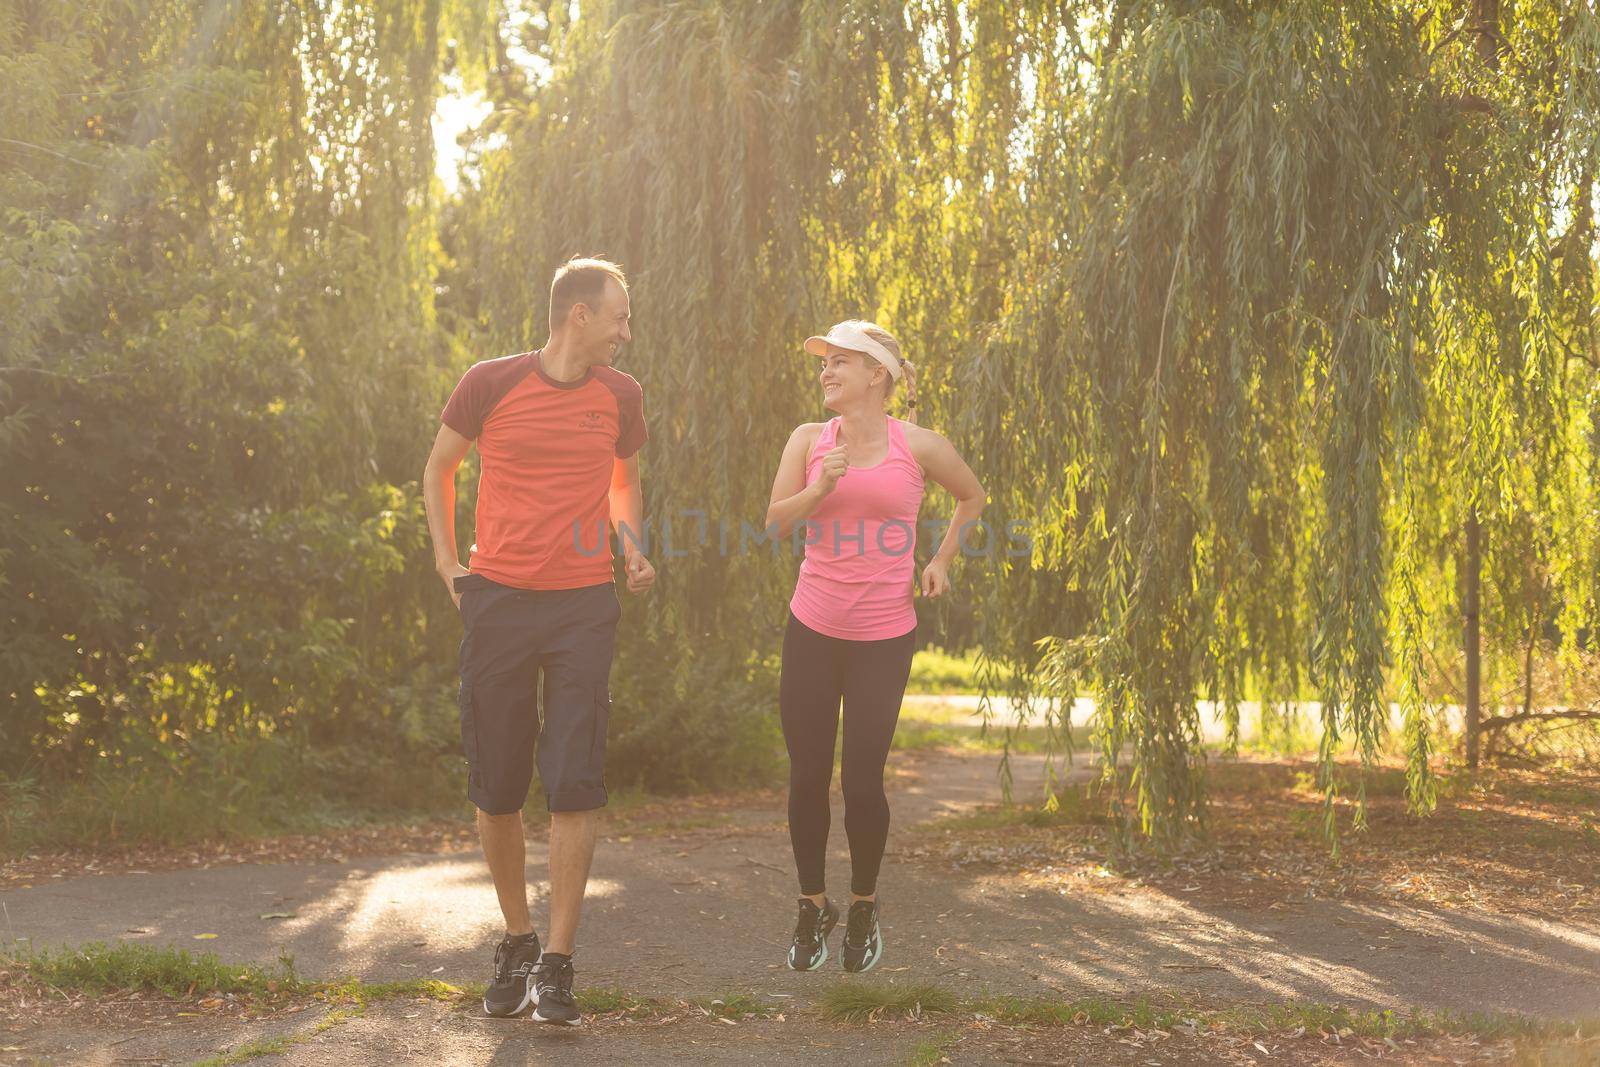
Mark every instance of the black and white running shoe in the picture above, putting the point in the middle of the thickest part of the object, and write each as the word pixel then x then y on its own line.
pixel 863 940
pixel 512 988
pixel 809 949
pixel 552 991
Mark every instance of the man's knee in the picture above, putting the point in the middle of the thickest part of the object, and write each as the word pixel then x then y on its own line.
pixel 574 818
pixel 509 818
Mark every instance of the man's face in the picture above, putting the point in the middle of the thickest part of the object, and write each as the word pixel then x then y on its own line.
pixel 603 328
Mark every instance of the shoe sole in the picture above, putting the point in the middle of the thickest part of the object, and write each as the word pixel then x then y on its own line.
pixel 877 936
pixel 827 928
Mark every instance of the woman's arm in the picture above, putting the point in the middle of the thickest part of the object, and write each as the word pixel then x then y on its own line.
pixel 942 463
pixel 792 499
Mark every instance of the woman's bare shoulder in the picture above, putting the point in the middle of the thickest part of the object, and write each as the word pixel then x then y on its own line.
pixel 922 441
pixel 807 433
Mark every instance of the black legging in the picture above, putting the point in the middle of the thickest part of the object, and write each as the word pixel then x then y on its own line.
pixel 870 676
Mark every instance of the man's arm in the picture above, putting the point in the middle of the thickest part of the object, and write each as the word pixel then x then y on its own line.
pixel 627 518
pixel 439 501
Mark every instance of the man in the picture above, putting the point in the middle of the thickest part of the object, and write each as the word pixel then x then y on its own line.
pixel 558 431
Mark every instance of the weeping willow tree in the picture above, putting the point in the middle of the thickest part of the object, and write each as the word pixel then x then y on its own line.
pixel 1296 318
pixel 217 249
pixel 664 138
pixel 1246 310
pixel 762 170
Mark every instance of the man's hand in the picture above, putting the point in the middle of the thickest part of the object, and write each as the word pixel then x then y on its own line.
pixel 641 576
pixel 935 579
pixel 449 573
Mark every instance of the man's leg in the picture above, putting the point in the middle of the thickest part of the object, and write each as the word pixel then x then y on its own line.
pixel 576 660
pixel 572 837
pixel 504 848
pixel 499 724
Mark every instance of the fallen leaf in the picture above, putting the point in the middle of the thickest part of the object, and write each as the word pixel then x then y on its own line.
pixel 278 915
pixel 204 937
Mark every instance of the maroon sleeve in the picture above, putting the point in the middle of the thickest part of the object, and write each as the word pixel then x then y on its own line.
pixel 481 388
pixel 631 434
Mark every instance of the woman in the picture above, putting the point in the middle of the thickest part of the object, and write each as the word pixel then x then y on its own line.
pixel 855 483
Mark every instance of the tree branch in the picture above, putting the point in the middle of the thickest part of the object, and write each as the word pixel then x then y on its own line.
pixel 1500 722
pixel 50 151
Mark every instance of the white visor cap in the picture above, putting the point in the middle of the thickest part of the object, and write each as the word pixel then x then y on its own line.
pixel 855 339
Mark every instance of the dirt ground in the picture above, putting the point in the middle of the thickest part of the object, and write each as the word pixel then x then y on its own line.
pixel 429 1032
pixel 696 899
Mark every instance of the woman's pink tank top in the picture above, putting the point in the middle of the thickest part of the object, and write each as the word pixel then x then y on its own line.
pixel 859 570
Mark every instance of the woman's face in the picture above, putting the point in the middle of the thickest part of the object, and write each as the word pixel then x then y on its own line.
pixel 849 379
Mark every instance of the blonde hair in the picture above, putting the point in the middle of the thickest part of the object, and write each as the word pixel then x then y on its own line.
pixel 889 341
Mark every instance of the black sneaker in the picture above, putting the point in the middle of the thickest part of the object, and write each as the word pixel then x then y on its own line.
pixel 512 988
pixel 809 950
pixel 863 941
pixel 552 991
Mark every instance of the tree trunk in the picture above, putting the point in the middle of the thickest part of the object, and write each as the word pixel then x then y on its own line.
pixel 1471 568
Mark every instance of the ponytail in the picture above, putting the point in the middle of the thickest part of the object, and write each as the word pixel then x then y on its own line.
pixel 911 391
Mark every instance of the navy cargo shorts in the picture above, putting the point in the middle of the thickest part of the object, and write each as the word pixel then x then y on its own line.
pixel 513 637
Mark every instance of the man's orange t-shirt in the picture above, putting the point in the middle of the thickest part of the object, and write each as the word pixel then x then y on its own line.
pixel 547 450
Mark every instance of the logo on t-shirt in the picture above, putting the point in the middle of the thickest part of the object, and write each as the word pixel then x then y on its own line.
pixel 591 420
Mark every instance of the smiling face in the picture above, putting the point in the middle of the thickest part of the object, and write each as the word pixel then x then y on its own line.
pixel 851 379
pixel 600 330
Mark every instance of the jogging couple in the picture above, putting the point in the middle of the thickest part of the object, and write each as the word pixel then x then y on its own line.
pixel 558 432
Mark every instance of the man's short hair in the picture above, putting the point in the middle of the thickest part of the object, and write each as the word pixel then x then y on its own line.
pixel 580 281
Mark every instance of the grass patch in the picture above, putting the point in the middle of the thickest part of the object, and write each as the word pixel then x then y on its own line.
pixel 335 1017
pixel 173 972
pixel 912 734
pixel 230 789
pixel 933 670
pixel 355 991
pixel 932 1051
pixel 734 1006
pixel 1275 1019
pixel 276 1046
pixel 1388 1024
pixel 608 1000
pixel 916 730
pixel 858 1001
pixel 99 968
